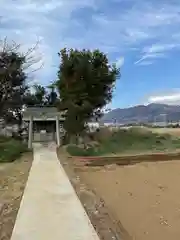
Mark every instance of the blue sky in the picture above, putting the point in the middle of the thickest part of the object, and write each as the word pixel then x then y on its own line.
pixel 141 36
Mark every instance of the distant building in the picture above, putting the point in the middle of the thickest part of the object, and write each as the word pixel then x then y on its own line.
pixel 93 126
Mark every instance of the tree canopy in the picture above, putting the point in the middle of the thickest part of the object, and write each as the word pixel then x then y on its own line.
pixel 85 83
pixel 12 82
pixel 84 86
pixel 41 96
pixel 15 88
pixel 14 85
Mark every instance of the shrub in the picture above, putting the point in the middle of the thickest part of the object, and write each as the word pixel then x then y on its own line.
pixel 125 140
pixel 11 150
pixel 4 139
pixel 74 150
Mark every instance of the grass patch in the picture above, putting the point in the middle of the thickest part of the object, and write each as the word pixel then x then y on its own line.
pixel 74 150
pixel 11 149
pixel 127 141
pixel 4 139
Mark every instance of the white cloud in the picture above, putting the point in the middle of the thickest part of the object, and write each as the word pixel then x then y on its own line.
pixel 145 63
pixel 157 51
pixel 120 62
pixel 63 23
pixel 145 21
pixel 148 56
pixel 26 21
pixel 174 97
pixel 171 97
pixel 158 48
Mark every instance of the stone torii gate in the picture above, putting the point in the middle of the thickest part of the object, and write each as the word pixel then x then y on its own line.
pixel 43 117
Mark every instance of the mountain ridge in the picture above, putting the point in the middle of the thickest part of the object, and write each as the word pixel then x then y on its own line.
pixel 153 112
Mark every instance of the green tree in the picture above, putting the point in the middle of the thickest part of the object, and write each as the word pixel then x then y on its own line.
pixel 85 84
pixel 30 99
pixel 40 94
pixel 13 80
pixel 52 96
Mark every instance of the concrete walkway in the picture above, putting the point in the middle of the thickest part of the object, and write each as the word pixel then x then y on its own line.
pixel 50 208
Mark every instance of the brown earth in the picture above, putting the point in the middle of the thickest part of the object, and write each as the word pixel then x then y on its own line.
pixel 139 201
pixel 103 221
pixel 13 177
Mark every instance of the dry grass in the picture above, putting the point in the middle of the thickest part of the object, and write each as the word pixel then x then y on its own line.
pixel 13 177
pixel 172 131
pixel 128 141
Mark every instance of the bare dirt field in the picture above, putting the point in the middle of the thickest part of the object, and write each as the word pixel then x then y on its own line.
pixel 13 177
pixel 139 202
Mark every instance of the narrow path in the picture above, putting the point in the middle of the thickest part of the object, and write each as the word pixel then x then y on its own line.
pixel 50 208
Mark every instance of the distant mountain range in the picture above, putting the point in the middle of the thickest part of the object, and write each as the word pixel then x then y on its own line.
pixel 143 114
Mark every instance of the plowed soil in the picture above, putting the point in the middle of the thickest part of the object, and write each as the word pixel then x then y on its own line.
pixel 139 201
